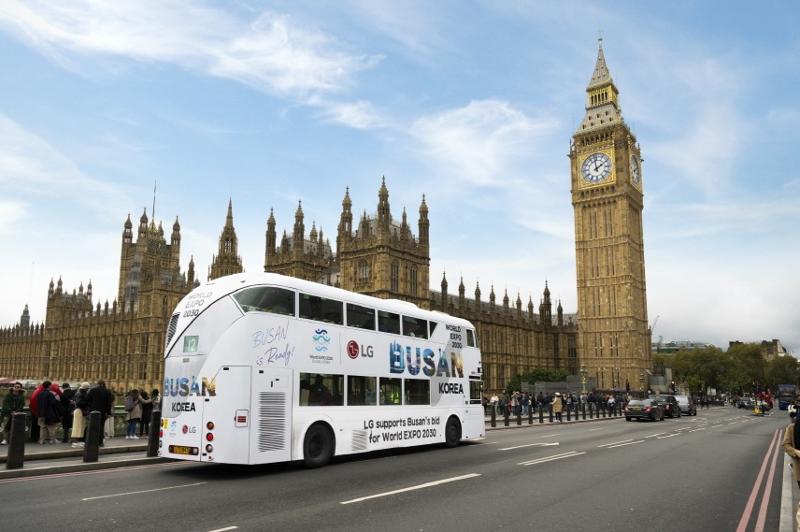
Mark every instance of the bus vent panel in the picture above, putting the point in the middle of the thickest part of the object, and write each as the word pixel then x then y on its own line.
pixel 271 421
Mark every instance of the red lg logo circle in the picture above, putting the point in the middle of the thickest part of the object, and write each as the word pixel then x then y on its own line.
pixel 352 349
pixel 185 429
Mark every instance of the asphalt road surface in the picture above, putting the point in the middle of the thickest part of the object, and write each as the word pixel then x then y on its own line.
pixel 721 470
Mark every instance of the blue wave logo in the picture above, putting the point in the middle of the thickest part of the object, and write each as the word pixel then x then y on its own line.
pixel 322 340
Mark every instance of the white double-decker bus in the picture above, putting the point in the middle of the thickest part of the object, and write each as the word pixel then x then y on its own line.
pixel 265 368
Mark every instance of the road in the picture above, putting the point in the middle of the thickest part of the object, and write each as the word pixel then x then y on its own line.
pixel 693 473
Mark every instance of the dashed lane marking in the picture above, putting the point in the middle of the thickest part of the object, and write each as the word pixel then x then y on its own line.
pixel 570 454
pixel 224 529
pixel 142 491
pixel 668 436
pixel 538 444
pixel 624 444
pixel 614 443
pixel 412 488
pixel 699 428
pixel 655 435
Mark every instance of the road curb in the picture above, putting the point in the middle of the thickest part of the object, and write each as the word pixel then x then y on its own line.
pixel 74 468
pixel 69 453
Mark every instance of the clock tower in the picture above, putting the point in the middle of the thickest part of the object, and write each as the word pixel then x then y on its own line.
pixel 605 165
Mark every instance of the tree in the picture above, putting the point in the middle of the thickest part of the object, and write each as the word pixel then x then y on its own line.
pixel 782 370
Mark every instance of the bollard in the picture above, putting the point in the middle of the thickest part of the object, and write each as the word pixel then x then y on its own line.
pixel 153 437
pixel 583 408
pixel 91 449
pixel 16 441
pixel 591 410
pixel 568 410
pixel 505 417
pixel 530 415
pixel 519 417
pixel 603 410
pixel 541 414
pixel 550 410
pixel 494 417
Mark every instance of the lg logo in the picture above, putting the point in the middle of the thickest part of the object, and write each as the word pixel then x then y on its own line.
pixel 353 350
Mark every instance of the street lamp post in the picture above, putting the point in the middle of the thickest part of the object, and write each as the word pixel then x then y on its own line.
pixel 583 379
pixel 641 381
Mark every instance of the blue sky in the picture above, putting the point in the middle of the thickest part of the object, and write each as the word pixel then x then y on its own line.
pixel 471 103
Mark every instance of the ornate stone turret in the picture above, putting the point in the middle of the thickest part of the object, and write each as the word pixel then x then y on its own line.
pixel 444 290
pixel 25 318
pixel 461 293
pixel 227 261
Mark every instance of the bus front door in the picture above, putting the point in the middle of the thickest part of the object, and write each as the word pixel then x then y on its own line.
pixel 272 415
pixel 229 411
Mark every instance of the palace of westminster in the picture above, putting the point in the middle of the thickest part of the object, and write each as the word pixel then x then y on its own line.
pixel 609 337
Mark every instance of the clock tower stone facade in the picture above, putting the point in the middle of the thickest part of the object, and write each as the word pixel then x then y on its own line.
pixel 605 165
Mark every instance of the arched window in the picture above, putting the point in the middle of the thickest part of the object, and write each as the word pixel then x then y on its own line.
pixel 413 280
pixel 363 271
pixel 395 276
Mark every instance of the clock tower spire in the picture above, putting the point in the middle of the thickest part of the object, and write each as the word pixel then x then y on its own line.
pixel 607 198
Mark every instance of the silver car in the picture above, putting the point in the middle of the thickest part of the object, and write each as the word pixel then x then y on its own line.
pixel 686 405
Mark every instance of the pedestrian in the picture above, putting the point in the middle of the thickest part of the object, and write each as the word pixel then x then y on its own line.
pixel 612 402
pixel 33 407
pixel 49 413
pixel 147 412
pixel 101 399
pixel 13 402
pixel 133 406
pixel 156 398
pixel 68 405
pixel 78 435
pixel 558 405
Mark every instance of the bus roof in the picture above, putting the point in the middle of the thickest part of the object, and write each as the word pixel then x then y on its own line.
pixel 232 283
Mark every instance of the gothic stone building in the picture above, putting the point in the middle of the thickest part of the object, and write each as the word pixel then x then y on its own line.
pixel 121 342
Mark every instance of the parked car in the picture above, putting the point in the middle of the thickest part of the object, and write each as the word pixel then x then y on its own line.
pixel 670 405
pixel 686 405
pixel 745 402
pixel 644 409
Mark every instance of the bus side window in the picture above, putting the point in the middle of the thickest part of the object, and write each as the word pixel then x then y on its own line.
pixel 318 389
pixel 415 327
pixel 321 309
pixel 471 338
pixel 432 326
pixel 361 391
pixel 266 299
pixel 418 391
pixel 388 322
pixel 390 391
pixel 361 317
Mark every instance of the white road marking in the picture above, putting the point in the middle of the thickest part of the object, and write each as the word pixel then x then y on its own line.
pixel 599 428
pixel 615 442
pixel 624 444
pixel 695 430
pixel 787 508
pixel 570 454
pixel 224 529
pixel 412 488
pixel 142 491
pixel 540 444
pixel 668 436
pixel 654 435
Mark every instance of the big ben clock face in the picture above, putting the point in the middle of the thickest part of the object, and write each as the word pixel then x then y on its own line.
pixel 596 168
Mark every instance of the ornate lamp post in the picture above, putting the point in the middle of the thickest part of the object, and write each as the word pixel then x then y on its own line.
pixel 583 379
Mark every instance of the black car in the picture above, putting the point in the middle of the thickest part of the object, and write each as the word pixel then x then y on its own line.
pixel 670 405
pixel 644 409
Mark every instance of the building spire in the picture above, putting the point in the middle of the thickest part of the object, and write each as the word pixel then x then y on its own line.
pixel 601 75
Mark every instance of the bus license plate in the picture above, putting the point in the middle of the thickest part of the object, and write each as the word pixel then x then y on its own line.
pixel 182 449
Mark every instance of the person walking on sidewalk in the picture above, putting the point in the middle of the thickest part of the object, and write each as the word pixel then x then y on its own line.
pixel 133 406
pixel 33 406
pixel 68 406
pixel 558 405
pixel 100 399
pixel 13 402
pixel 147 412
pixel 791 446
pixel 77 435
pixel 49 414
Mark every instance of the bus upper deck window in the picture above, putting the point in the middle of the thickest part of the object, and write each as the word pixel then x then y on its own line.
pixel 321 309
pixel 388 322
pixel 361 317
pixel 415 327
pixel 470 338
pixel 266 299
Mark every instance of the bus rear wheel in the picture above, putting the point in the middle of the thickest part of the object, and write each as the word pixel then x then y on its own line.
pixel 318 445
pixel 452 432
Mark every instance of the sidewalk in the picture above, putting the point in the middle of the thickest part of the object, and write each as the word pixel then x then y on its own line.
pixel 512 421
pixel 58 458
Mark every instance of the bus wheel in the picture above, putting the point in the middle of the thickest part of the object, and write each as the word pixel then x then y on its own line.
pixel 318 445
pixel 452 432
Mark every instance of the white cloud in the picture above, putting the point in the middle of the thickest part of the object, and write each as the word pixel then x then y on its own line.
pixel 481 142
pixel 271 53
pixel 358 115
pixel 10 213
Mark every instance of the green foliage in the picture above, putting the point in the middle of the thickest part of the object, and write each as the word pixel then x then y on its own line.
pixel 537 375
pixel 782 370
